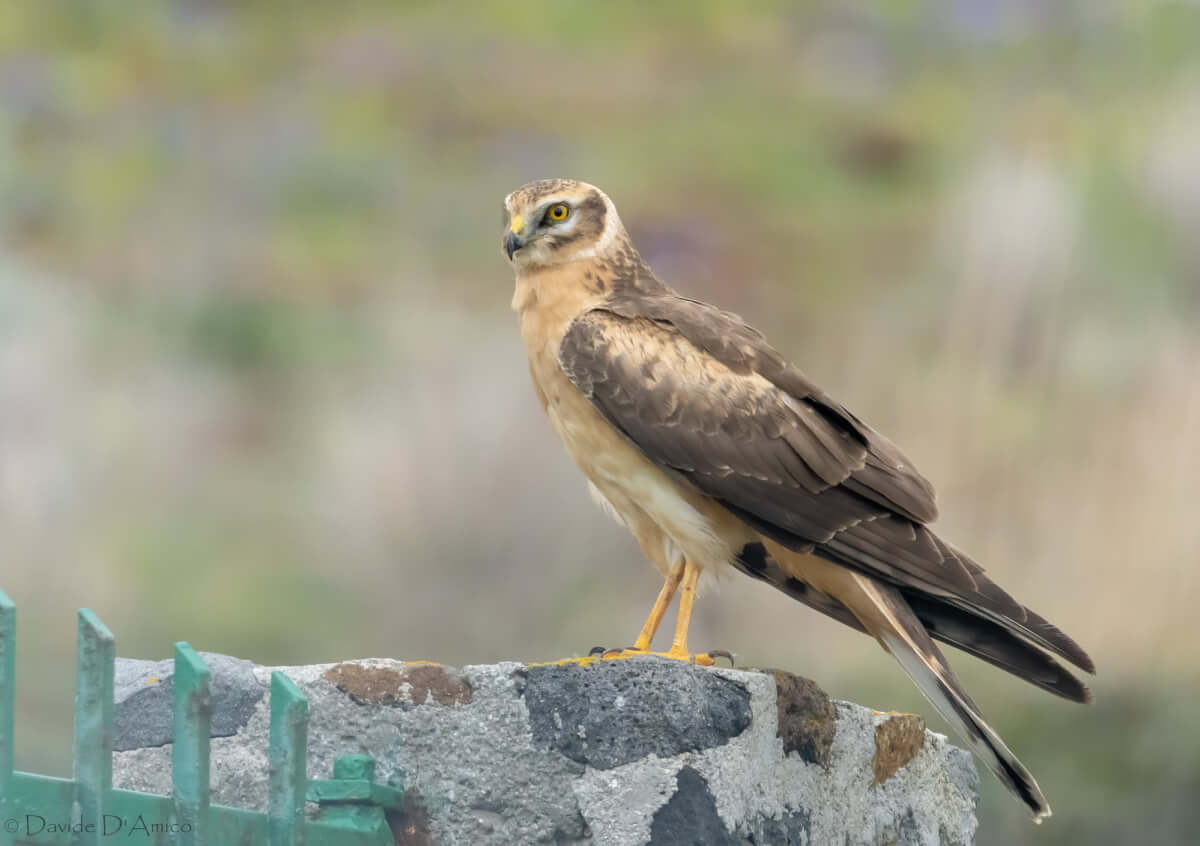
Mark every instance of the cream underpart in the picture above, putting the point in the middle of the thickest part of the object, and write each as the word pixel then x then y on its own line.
pixel 670 521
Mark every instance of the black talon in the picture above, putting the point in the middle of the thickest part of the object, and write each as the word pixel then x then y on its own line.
pixel 598 650
pixel 721 653
pixel 608 652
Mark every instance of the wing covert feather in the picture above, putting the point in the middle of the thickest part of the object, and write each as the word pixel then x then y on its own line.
pixel 704 396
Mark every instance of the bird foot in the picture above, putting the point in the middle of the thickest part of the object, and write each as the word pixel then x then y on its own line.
pixel 704 659
pixel 582 660
pixel 600 653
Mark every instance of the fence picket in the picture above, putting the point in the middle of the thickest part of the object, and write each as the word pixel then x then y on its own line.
pixel 96 657
pixel 351 804
pixel 8 682
pixel 287 756
pixel 191 728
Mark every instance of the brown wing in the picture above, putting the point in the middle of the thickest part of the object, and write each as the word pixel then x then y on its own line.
pixel 703 395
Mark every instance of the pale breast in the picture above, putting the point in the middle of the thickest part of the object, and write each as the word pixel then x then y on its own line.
pixel 636 488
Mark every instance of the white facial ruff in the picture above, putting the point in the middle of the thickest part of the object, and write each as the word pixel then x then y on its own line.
pixel 612 226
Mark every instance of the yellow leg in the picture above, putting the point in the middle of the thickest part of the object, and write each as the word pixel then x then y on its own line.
pixel 660 608
pixel 687 596
pixel 684 580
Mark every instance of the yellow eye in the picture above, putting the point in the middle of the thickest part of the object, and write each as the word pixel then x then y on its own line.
pixel 558 211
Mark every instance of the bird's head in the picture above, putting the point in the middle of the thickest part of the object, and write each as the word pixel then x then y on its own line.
pixel 554 221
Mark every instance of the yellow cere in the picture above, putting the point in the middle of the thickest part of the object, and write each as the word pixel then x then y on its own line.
pixel 517 225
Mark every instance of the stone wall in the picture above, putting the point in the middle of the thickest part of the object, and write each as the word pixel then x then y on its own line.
pixel 613 753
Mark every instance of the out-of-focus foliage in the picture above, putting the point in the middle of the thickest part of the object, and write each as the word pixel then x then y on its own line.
pixel 260 388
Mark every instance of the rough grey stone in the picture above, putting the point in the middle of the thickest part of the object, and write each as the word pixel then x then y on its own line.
pixel 791 829
pixel 143 699
pixel 475 771
pixel 614 712
pixel 690 816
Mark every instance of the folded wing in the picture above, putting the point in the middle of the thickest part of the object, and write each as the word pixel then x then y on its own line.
pixel 704 396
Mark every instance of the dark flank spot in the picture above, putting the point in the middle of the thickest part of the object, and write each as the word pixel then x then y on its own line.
pixel 807 719
pixel 795 586
pixel 411 684
pixel 754 558
pixel 614 712
pixel 690 816
pixel 898 740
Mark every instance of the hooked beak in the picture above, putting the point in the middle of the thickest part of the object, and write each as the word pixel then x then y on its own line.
pixel 512 243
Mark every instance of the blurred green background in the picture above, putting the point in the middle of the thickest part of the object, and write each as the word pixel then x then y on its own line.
pixel 260 387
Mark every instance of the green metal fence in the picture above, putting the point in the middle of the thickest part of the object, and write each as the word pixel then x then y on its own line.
pixel 87 811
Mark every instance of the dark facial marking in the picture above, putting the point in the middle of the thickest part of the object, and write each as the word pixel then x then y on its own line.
pixel 590 214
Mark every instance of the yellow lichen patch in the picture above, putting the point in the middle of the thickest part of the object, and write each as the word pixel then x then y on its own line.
pixel 898 740
pixel 582 661
pixel 153 680
pixel 702 658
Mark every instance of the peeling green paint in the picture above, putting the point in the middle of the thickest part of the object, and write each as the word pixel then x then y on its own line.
pixel 86 810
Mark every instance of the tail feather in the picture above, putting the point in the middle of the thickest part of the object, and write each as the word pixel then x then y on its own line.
pixel 1009 614
pixel 985 639
pixel 889 617
pixel 871 548
pixel 976 635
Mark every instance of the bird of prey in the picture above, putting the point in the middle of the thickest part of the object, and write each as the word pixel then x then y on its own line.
pixel 715 452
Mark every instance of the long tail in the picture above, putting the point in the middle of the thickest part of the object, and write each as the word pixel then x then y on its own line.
pixel 885 613
pixel 1002 645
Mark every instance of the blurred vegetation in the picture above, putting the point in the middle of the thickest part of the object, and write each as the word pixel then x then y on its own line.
pixel 260 388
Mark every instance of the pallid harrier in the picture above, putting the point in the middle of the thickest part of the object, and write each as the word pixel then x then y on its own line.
pixel 696 435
